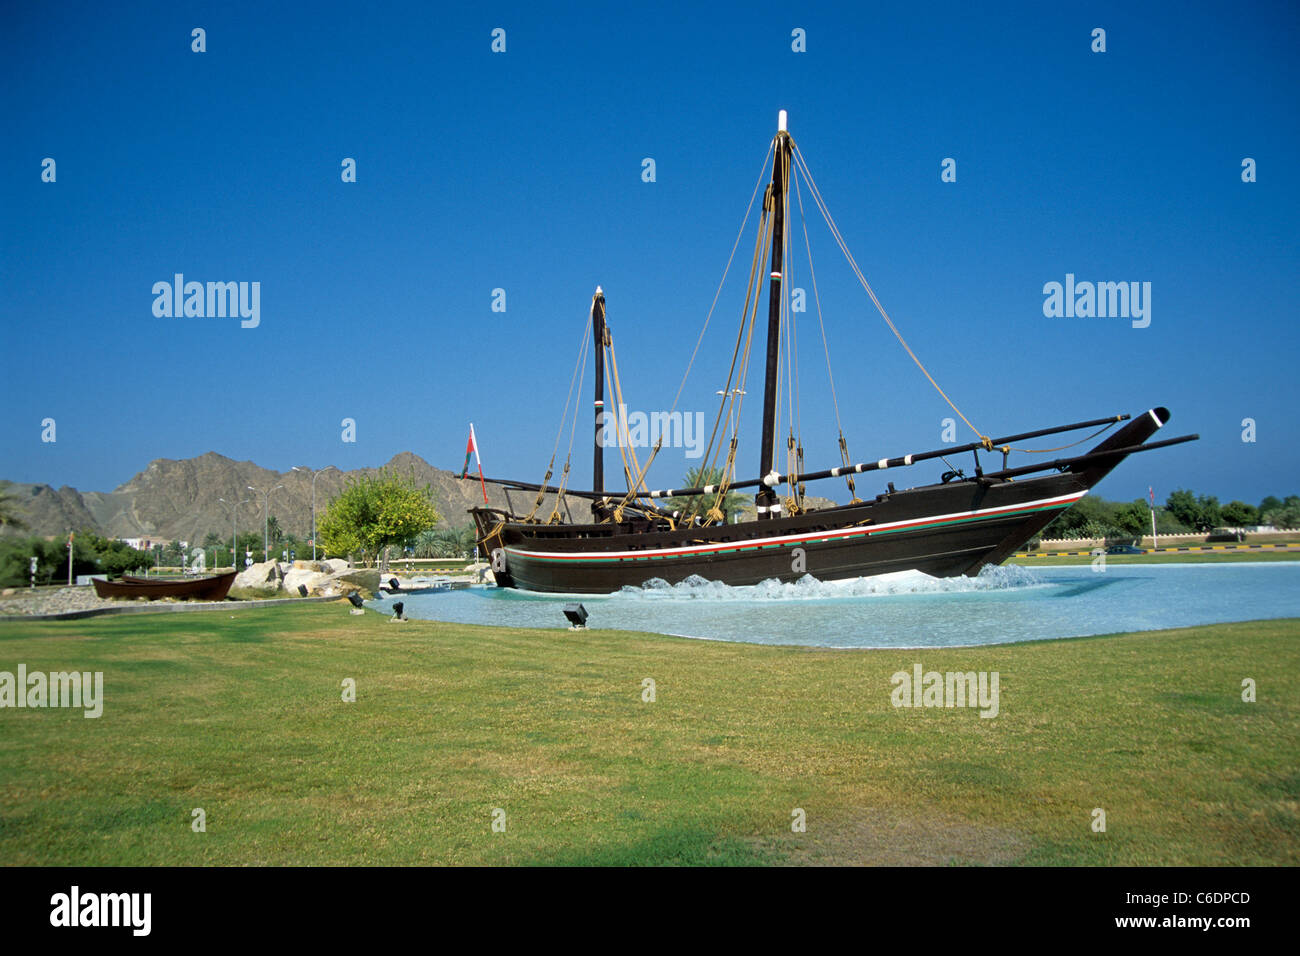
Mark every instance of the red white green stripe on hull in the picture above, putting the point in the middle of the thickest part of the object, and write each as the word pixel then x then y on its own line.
pixel 758 544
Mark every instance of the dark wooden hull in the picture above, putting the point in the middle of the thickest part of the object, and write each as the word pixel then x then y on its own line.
pixel 199 589
pixel 942 529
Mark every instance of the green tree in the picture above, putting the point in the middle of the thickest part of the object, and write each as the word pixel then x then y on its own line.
pixel 1091 517
pixel 702 477
pixel 375 512
pixel 1211 513
pixel 1133 518
pixel 1238 514
pixel 1287 516
pixel 91 554
pixel 299 547
pixel 1093 528
pixel 426 544
pixel 249 541
pixel 1271 503
pixel 444 542
pixel 117 557
pixel 1198 513
pixel 172 555
pixel 1182 505
pixel 16 554
pixel 1168 524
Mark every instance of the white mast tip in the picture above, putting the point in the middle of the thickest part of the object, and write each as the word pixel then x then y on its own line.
pixel 780 121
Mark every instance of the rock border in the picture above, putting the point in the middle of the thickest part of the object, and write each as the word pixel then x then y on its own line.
pixel 166 608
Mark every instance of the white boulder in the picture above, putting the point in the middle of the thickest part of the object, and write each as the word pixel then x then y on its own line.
pixel 316 582
pixel 263 576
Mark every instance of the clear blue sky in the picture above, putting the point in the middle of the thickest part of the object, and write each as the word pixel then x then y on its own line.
pixel 522 171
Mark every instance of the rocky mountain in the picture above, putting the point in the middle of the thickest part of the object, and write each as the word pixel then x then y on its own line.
pixel 49 512
pixel 180 500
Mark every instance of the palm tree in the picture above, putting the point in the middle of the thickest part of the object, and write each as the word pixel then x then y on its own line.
pixel 426 544
pixel 701 477
pixel 445 542
pixel 468 538
pixel 456 541
pixel 9 512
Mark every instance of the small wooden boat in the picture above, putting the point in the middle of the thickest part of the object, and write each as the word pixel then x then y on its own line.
pixel 194 589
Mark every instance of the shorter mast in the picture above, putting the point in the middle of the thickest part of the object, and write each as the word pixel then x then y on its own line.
pixel 598 453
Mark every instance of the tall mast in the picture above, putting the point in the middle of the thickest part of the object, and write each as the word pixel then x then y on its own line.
pixel 598 331
pixel 765 501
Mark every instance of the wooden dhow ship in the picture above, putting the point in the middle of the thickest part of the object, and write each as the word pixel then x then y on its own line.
pixel 954 526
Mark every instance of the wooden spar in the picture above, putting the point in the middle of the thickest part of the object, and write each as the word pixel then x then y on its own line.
pixel 1064 463
pixel 765 501
pixel 900 462
pixel 598 330
pixel 913 459
pixel 1058 463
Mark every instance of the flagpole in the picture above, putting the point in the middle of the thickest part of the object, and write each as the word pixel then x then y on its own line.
pixel 1154 542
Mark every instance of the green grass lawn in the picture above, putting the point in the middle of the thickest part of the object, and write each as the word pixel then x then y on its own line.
pixel 1182 557
pixel 242 716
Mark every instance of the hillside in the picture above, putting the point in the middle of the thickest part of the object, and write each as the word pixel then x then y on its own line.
pixel 179 499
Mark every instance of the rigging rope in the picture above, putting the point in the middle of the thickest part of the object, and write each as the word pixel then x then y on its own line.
pixel 541 492
pixel 738 396
pixel 573 430
pixel 839 239
pixel 619 419
pixel 750 290
pixel 578 376
pixel 1045 451
pixel 580 367
pixel 733 398
pixel 734 246
pixel 845 460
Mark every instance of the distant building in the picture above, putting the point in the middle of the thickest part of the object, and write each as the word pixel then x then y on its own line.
pixel 145 544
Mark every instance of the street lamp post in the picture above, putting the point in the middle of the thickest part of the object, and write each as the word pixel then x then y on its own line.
pixel 266 520
pixel 313 504
pixel 234 536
